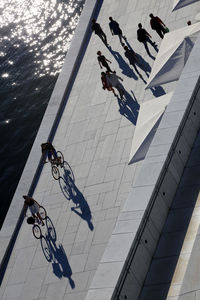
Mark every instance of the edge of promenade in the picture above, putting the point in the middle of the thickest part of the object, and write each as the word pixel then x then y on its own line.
pixel 51 118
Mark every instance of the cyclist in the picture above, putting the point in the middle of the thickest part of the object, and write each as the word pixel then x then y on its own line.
pixel 49 151
pixel 34 207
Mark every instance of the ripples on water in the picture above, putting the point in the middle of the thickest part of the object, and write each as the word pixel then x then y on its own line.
pixel 34 38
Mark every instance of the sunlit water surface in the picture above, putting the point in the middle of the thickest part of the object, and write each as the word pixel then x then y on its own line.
pixel 34 38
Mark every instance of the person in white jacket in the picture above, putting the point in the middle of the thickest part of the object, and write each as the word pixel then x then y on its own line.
pixel 113 80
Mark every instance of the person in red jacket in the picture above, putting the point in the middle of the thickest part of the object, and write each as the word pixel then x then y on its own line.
pixel 157 25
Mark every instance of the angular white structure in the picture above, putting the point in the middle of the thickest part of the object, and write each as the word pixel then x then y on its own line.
pixel 181 3
pixel 173 54
pixel 148 119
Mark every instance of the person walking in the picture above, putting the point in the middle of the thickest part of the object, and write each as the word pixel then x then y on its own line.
pixel 157 25
pixel 34 207
pixel 113 80
pixel 115 29
pixel 98 30
pixel 132 57
pixel 103 61
pixel 105 85
pixel 144 37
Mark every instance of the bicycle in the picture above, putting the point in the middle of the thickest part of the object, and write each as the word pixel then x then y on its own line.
pixel 35 221
pixel 55 163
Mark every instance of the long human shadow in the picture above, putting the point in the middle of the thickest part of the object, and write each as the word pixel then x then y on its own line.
pixel 129 107
pixel 56 254
pixel 157 90
pixel 126 70
pixel 142 63
pixel 71 192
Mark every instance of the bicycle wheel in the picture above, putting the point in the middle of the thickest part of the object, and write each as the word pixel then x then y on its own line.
pixel 46 249
pixel 37 231
pixel 68 171
pixel 43 212
pixel 55 172
pixel 51 229
pixel 59 154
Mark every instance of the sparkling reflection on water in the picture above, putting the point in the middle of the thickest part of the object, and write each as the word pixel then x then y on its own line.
pixel 34 37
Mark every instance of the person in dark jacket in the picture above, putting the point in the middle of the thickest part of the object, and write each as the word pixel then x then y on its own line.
pixel 103 61
pixel 132 58
pixel 98 30
pixel 157 25
pixel 144 37
pixel 115 29
pixel 49 151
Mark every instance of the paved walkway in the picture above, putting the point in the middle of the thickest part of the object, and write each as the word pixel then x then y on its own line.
pixel 95 135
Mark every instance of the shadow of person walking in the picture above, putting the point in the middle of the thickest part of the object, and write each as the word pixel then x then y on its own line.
pixel 56 254
pixel 143 65
pixel 126 70
pixel 137 60
pixel 129 107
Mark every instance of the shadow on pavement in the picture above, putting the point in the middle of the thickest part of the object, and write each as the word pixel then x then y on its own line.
pixel 56 254
pixel 126 70
pixel 129 107
pixel 157 91
pixel 71 192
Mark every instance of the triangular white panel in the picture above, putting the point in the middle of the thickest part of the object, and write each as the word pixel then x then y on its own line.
pixel 181 3
pixel 149 115
pixel 173 54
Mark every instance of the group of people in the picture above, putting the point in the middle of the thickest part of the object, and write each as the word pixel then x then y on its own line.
pixel 109 78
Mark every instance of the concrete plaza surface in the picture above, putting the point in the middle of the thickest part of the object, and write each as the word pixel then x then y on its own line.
pixel 95 136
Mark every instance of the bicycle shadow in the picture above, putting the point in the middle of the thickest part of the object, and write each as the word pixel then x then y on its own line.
pixel 71 192
pixel 126 70
pixel 81 203
pixel 56 254
pixel 129 107
pixel 66 181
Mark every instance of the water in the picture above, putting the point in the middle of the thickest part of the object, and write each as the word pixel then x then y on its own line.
pixel 34 38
